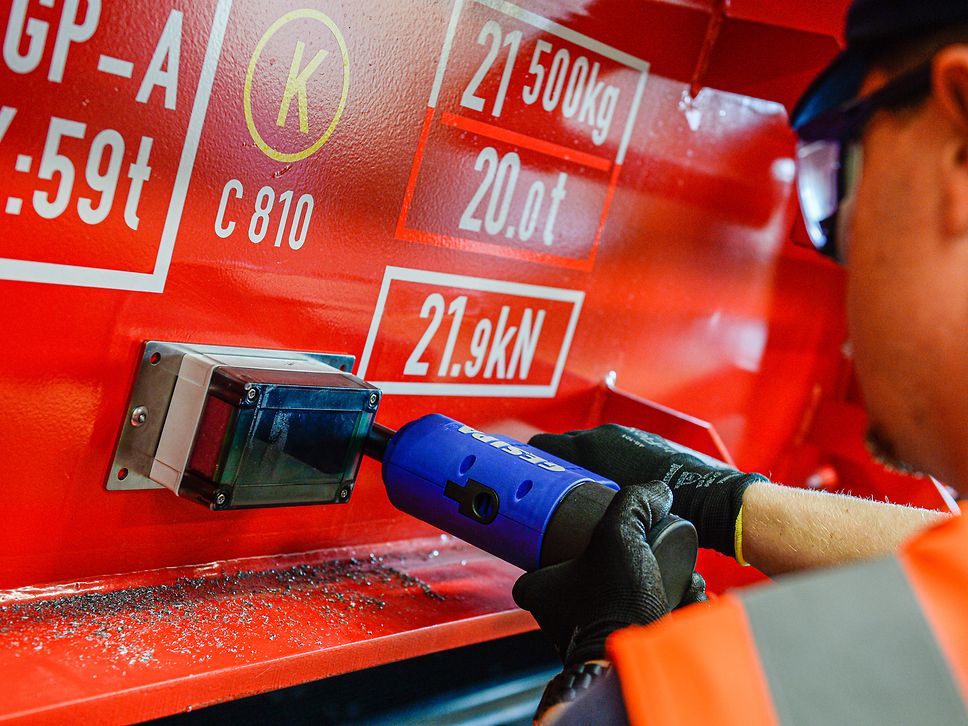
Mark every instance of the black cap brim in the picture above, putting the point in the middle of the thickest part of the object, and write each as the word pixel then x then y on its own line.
pixel 837 85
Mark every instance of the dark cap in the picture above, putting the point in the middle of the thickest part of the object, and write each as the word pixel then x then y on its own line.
pixel 872 26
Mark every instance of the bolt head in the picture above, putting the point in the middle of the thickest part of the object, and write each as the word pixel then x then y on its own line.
pixel 250 394
pixel 139 416
pixel 373 399
pixel 344 493
pixel 220 498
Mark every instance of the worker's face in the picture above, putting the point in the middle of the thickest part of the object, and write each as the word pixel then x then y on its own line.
pixel 908 286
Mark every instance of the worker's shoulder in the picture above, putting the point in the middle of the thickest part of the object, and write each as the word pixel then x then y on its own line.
pixel 770 649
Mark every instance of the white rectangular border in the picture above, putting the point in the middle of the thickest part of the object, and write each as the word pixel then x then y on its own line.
pixel 560 31
pixel 464 282
pixel 60 274
pixel 572 36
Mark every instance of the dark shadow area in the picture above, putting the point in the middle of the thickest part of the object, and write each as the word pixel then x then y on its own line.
pixel 497 683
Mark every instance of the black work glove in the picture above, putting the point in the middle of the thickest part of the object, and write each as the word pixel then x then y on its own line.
pixel 695 593
pixel 613 584
pixel 708 496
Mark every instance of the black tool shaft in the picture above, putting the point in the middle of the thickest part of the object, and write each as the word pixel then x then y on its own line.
pixel 377 440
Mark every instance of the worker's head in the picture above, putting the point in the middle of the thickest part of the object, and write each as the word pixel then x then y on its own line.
pixel 883 164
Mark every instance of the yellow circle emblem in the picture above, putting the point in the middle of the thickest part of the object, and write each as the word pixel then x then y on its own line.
pixel 266 148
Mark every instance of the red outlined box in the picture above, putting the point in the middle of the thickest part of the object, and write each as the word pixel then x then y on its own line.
pixel 446 126
pixel 405 330
pixel 65 249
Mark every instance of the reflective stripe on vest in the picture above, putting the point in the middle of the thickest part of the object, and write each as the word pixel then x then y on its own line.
pixel 851 646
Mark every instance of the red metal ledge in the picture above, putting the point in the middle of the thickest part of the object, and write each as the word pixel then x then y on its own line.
pixel 132 647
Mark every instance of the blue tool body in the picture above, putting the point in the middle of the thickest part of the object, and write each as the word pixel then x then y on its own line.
pixel 491 491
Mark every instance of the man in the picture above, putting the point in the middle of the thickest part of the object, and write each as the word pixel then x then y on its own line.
pixel 883 178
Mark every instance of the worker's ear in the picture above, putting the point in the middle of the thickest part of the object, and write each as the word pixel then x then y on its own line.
pixel 950 89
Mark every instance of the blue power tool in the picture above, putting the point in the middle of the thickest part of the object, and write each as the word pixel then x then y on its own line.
pixel 515 501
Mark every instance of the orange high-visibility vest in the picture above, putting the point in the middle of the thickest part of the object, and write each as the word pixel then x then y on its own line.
pixel 880 642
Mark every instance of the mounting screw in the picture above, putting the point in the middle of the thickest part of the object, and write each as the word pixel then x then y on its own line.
pixel 139 416
pixel 373 399
pixel 250 393
pixel 220 498
pixel 344 493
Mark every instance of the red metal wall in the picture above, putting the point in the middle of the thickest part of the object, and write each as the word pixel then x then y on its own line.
pixel 669 260
pixel 688 296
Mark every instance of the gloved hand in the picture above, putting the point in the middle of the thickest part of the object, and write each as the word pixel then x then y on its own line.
pixel 614 583
pixel 695 593
pixel 710 497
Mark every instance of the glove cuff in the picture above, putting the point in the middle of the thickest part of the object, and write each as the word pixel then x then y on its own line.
pixel 588 643
pixel 712 501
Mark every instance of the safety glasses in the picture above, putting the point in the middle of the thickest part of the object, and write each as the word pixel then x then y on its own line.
pixel 827 165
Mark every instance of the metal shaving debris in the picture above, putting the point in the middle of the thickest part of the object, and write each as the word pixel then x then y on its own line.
pixel 197 616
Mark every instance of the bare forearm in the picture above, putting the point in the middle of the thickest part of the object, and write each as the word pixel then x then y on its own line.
pixel 787 529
